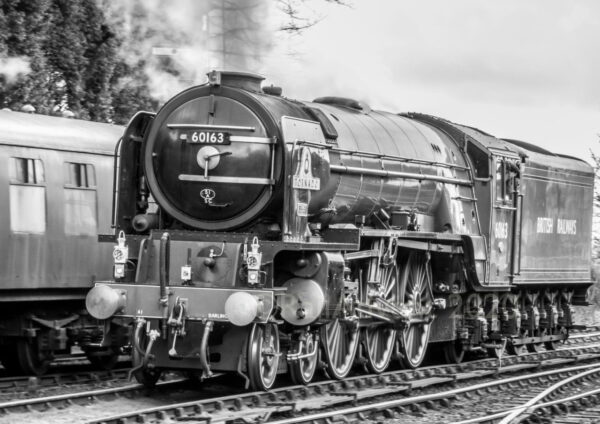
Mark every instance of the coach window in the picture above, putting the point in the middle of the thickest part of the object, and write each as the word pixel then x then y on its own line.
pixel 27 195
pixel 80 199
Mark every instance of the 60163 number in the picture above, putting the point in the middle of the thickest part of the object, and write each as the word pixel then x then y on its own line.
pixel 208 137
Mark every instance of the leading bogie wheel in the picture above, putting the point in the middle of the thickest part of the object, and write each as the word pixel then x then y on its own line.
pixel 339 339
pixel 143 374
pixel 416 299
pixel 263 356
pixel 379 340
pixel 303 370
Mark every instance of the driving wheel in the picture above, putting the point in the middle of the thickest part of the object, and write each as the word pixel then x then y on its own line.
pixel 379 339
pixel 339 339
pixel 416 300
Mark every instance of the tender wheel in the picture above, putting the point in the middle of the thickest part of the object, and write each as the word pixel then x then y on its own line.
pixel 340 343
pixel 143 374
pixel 515 350
pixel 263 356
pixel 416 299
pixel 379 340
pixel 31 360
pixel 495 352
pixel 303 370
pixel 536 347
pixel 553 345
pixel 454 352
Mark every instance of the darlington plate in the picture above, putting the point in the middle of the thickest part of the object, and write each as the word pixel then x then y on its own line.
pixel 202 303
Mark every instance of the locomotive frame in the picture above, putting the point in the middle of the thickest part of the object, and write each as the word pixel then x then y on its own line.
pixel 342 249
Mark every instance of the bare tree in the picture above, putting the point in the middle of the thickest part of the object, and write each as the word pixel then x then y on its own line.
pixel 299 19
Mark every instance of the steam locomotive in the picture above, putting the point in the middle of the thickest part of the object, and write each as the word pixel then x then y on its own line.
pixel 261 235
pixel 54 204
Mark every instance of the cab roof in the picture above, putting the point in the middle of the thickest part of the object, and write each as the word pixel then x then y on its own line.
pixel 531 153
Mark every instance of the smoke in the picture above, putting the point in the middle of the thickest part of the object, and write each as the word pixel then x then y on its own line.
pixel 11 68
pixel 179 43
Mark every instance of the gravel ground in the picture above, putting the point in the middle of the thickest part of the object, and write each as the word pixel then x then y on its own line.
pixel 80 414
pixel 465 408
pixel 587 315
pixel 77 414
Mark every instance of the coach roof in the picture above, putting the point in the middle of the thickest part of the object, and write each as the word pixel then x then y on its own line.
pixel 49 132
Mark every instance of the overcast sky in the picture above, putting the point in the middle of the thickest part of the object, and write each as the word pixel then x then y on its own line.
pixel 528 70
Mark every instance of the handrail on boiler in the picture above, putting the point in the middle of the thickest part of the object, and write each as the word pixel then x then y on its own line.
pixel 340 169
pixel 365 154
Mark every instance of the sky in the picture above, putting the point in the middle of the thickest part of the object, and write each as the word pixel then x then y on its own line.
pixel 521 69
pixel 527 70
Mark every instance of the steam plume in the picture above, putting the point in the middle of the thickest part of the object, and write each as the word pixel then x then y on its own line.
pixel 11 68
pixel 177 44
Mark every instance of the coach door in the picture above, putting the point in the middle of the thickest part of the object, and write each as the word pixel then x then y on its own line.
pixel 504 220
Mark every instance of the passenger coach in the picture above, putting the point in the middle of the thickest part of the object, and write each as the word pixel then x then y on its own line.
pixel 55 196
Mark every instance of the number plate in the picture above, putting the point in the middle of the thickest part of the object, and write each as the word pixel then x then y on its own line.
pixel 306 183
pixel 208 137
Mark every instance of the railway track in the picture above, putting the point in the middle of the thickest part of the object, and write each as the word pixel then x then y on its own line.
pixel 60 401
pixel 397 408
pixel 316 396
pixel 583 336
pixel 580 389
pixel 16 387
pixel 331 395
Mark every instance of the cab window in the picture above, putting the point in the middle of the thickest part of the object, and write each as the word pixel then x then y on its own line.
pixel 27 195
pixel 500 180
pixel 506 179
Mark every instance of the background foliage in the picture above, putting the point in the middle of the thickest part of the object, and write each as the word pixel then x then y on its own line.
pixel 95 57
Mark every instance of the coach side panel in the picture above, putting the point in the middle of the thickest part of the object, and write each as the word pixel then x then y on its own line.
pixel 54 204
